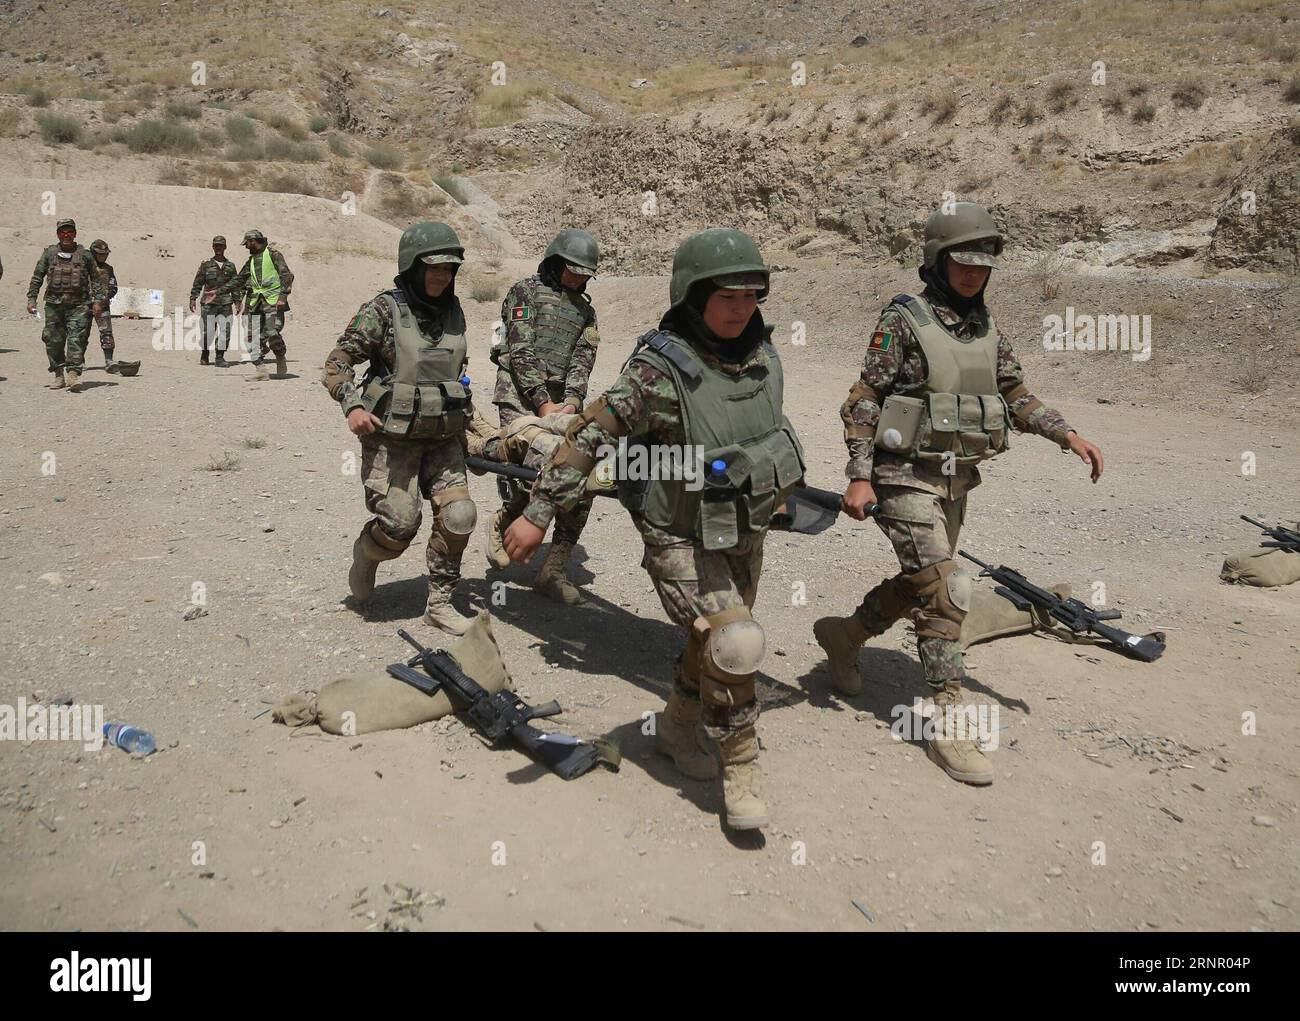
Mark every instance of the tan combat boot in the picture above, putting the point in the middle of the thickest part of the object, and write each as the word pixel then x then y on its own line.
pixel 494 530
pixel 951 748
pixel 680 738
pixel 74 381
pixel 367 554
pixel 441 614
pixel 841 638
pixel 551 579
pixel 742 790
pixel 281 366
pixel 59 382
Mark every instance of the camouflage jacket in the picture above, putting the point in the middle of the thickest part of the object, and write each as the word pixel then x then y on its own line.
pixel 900 368
pixel 92 285
pixel 108 281
pixel 215 277
pixel 241 287
pixel 369 338
pixel 524 385
pixel 644 402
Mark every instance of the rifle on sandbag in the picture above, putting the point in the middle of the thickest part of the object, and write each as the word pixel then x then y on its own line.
pixel 1283 538
pixel 503 716
pixel 1078 617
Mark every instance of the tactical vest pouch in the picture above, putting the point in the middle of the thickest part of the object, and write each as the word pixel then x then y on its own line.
pixel 902 415
pixel 719 528
pixel 374 394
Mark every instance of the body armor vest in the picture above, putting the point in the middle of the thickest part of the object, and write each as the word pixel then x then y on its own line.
pixel 558 321
pixel 751 455
pixel 423 396
pixel 959 417
pixel 66 276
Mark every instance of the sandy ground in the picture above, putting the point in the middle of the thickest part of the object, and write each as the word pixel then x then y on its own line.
pixel 98 562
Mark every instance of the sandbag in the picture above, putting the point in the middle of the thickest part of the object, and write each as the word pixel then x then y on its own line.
pixel 993 616
pixel 1263 567
pixel 368 702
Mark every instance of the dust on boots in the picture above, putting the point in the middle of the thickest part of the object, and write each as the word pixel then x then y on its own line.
pixel 680 737
pixel 552 582
pixel 742 783
pixel 441 614
pixel 841 638
pixel 958 756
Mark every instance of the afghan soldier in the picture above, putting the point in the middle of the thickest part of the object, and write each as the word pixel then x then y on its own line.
pixel 707 382
pixel 410 413
pixel 261 293
pixel 211 282
pixel 543 367
pixel 940 391
pixel 73 293
pixel 108 282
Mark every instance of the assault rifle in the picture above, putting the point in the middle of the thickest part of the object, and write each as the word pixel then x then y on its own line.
pixel 807 510
pixel 1076 616
pixel 500 717
pixel 1283 538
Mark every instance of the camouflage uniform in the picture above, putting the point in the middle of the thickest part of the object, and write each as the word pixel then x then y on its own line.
pixel 691 581
pixel 264 321
pixel 73 285
pixel 215 278
pixel 922 506
pixel 397 473
pixel 527 382
pixel 108 284
pixel 531 372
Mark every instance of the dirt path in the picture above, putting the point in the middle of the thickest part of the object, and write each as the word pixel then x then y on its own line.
pixel 98 564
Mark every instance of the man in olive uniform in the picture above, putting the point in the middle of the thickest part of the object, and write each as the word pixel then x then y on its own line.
pixel 211 282
pixel 410 413
pixel 940 391
pixel 708 385
pixel 108 281
pixel 74 293
pixel 543 367
pixel 261 293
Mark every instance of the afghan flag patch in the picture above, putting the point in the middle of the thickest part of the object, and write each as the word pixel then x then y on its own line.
pixel 880 341
pixel 520 314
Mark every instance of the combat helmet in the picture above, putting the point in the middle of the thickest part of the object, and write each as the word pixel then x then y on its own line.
pixel 99 245
pixel 431 243
pixel 968 225
pixel 727 256
pixel 253 235
pixel 577 248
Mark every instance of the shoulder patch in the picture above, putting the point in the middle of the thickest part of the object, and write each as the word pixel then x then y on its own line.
pixel 881 340
pixel 520 314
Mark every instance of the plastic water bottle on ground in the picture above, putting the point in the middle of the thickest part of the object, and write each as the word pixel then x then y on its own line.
pixel 129 738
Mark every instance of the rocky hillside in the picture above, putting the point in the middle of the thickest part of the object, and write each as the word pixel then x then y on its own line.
pixel 1117 134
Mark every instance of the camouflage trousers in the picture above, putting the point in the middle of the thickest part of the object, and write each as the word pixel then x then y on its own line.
pixel 693 582
pixel 215 322
pixel 398 475
pixel 923 528
pixel 67 328
pixel 105 323
pixel 263 332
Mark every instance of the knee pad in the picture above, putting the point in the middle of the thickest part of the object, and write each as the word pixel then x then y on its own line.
pixel 942 592
pixel 456 511
pixel 731 648
pixel 456 518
